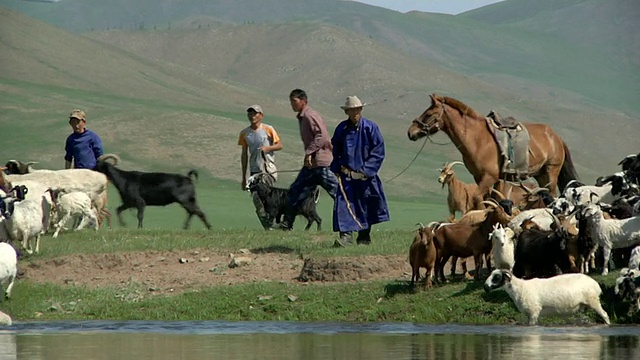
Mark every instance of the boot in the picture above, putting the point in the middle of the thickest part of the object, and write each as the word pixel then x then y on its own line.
pixel 344 240
pixel 364 237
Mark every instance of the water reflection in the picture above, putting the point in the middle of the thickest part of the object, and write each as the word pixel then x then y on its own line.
pixel 281 340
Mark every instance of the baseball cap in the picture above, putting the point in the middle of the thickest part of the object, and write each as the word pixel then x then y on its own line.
pixel 78 114
pixel 256 108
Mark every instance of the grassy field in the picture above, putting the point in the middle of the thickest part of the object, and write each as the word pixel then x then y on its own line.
pixel 459 301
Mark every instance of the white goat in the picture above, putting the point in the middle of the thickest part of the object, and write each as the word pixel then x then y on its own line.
pixel 503 240
pixel 634 259
pixel 561 294
pixel 611 233
pixel 8 267
pixel 72 205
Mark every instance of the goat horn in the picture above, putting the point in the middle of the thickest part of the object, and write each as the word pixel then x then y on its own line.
pixel 455 163
pixel 494 204
pixel 114 157
pixel 498 193
pixel 420 224
pixel 537 190
pixel 524 187
pixel 433 224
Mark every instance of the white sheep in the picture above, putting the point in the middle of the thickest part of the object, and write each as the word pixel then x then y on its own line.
pixel 503 240
pixel 30 218
pixel 611 233
pixel 74 205
pixel 561 294
pixel 8 267
pixel 543 217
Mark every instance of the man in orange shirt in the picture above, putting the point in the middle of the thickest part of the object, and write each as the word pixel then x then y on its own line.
pixel 259 141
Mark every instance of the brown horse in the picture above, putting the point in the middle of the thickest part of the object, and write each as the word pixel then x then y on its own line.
pixel 549 158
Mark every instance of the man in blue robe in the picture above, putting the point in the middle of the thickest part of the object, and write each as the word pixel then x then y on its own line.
pixel 358 152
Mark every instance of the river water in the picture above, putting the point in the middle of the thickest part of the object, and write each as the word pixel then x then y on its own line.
pixel 196 340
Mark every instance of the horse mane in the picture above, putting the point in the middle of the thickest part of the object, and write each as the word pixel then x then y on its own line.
pixel 462 107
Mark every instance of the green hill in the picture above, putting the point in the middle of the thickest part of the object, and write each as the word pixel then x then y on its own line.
pixel 174 97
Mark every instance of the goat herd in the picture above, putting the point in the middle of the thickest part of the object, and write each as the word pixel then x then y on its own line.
pixel 534 239
pixel 543 248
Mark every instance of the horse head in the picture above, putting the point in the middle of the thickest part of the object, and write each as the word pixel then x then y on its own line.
pixel 431 120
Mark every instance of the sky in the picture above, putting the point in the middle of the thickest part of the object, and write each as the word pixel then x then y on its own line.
pixel 434 6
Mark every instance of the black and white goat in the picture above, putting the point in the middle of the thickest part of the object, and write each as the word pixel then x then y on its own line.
pixel 140 189
pixel 275 200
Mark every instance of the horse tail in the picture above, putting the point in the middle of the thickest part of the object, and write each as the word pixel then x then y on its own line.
pixel 568 170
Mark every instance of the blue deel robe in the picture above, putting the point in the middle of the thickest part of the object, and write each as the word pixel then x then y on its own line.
pixel 360 149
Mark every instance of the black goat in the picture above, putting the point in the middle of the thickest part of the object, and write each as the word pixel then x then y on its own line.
pixel 274 201
pixel 542 253
pixel 139 189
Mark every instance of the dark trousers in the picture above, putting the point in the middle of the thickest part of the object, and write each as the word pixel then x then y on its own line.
pixel 304 186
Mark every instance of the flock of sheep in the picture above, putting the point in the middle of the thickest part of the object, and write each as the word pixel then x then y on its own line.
pixel 543 248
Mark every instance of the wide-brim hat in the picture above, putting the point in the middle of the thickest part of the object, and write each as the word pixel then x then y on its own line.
pixel 352 102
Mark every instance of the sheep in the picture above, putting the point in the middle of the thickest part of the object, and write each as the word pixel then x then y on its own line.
pixel 562 294
pixel 503 240
pixel 543 217
pixel 275 200
pixel 461 197
pixel 72 205
pixel 422 253
pixel 611 233
pixel 8 268
pixel 93 183
pixel 29 219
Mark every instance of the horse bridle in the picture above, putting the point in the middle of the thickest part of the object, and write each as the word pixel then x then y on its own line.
pixel 432 121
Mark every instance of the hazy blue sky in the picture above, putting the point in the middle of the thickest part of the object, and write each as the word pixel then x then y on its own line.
pixel 438 6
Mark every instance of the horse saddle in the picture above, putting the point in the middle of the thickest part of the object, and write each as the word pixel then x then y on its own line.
pixel 500 122
pixel 513 141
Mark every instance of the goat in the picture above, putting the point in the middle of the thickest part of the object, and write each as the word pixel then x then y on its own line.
pixel 140 189
pixel 523 198
pixel 634 259
pixel 464 240
pixel 541 253
pixel 72 205
pixel 8 267
pixel 562 294
pixel 503 247
pixel 611 233
pixel 422 253
pixel 275 200
pixel 461 197
pixel 627 286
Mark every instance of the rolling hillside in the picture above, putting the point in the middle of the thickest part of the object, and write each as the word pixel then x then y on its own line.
pixel 168 98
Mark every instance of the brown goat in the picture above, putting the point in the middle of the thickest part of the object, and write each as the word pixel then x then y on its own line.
pixel 462 197
pixel 422 253
pixel 522 196
pixel 464 240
